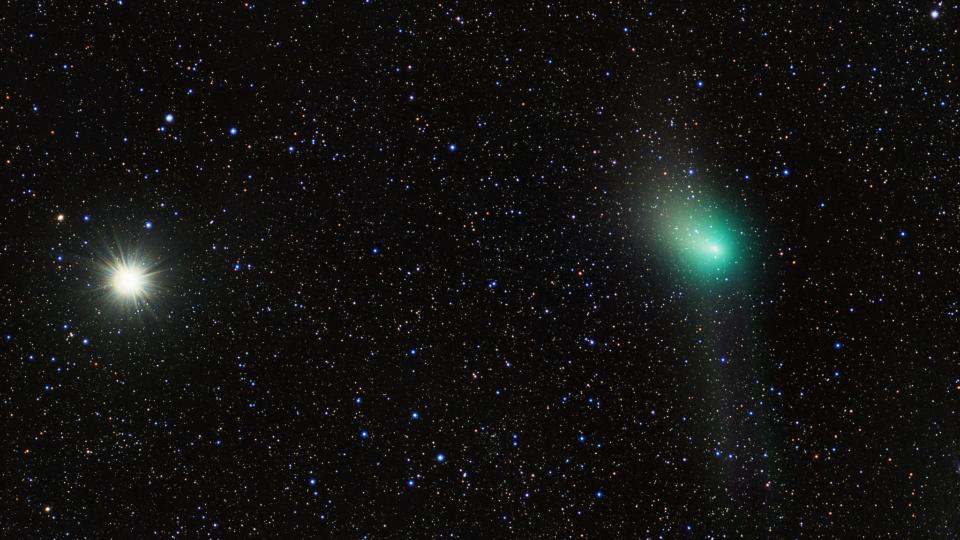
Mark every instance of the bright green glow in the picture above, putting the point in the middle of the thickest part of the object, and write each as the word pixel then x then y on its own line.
pixel 702 239
pixel 702 244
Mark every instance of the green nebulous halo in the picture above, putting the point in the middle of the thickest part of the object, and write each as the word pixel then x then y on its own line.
pixel 705 242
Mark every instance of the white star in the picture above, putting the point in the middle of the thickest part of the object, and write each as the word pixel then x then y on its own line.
pixel 128 281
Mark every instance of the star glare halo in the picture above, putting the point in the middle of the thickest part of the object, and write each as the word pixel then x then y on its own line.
pixel 128 281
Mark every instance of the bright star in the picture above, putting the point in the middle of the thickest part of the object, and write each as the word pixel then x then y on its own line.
pixel 129 277
pixel 128 281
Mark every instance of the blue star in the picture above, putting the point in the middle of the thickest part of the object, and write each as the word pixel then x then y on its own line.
pixel 312 481
pixel 375 250
pixel 364 434
pixel 168 118
pixel 87 218
pixel 786 171
pixel 148 225
pixel 441 458
pixel 411 483
pixel 599 493
pixel 837 345
pixel 700 83
pixel 415 415
pixel 452 147
pixel 492 284
pixel 690 171
pixel 233 131
pixel 413 352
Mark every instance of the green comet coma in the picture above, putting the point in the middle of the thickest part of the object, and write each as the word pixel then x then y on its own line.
pixel 703 240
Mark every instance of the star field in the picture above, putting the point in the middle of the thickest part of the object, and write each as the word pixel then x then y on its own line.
pixel 377 269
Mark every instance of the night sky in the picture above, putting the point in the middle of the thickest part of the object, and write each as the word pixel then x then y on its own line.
pixel 392 269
